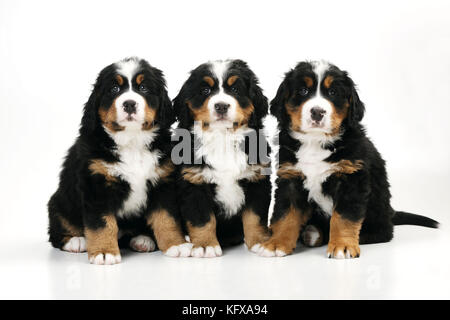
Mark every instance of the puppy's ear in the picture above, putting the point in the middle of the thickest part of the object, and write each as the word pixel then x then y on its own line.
pixel 260 103
pixel 166 115
pixel 89 119
pixel 278 103
pixel 181 109
pixel 357 108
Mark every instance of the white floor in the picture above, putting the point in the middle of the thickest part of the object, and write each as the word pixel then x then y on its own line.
pixel 415 265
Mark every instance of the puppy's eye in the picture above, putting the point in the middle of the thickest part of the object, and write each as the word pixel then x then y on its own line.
pixel 331 92
pixel 143 88
pixel 206 91
pixel 235 90
pixel 115 89
pixel 304 91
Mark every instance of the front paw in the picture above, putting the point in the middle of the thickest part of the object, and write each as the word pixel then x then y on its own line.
pixel 343 250
pixel 276 248
pixel 207 252
pixel 105 258
pixel 181 250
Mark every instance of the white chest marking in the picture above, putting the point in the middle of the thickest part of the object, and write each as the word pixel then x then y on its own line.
pixel 137 165
pixel 310 158
pixel 229 164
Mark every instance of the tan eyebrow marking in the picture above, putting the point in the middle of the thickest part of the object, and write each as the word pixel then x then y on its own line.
pixel 119 79
pixel 139 78
pixel 232 80
pixel 327 81
pixel 308 81
pixel 209 81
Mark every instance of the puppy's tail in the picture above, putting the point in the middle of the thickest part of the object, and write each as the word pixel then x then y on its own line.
pixel 401 217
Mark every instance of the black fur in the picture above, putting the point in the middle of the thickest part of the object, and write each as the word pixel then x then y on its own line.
pixel 82 197
pixel 197 201
pixel 362 195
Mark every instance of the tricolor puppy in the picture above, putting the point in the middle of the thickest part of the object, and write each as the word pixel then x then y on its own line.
pixel 331 182
pixel 224 188
pixel 118 178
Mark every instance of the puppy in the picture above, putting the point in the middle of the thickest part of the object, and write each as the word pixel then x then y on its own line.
pixel 118 178
pixel 331 181
pixel 224 185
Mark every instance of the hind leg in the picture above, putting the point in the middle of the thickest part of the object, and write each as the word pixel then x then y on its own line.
pixel 65 235
pixel 376 232
pixel 316 231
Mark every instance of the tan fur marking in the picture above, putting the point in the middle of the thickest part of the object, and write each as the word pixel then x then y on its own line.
pixel 258 172
pixel 193 175
pixel 243 115
pixel 209 81
pixel 288 171
pixel 202 113
pixel 295 113
pixel 344 236
pixel 109 117
pixel 347 166
pixel 286 230
pixel 139 79
pixel 204 236
pixel 119 79
pixel 71 230
pixel 328 81
pixel 103 240
pixel 150 115
pixel 165 170
pixel 337 116
pixel 231 80
pixel 308 81
pixel 254 231
pixel 166 229
pixel 98 166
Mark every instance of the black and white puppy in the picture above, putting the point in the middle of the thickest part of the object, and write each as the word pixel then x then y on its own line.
pixel 224 195
pixel 331 182
pixel 118 178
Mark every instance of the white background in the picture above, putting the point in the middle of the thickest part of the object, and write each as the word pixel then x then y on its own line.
pixel 398 52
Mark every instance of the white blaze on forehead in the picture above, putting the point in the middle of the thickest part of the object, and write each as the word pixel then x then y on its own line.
pixel 128 68
pixel 319 68
pixel 219 69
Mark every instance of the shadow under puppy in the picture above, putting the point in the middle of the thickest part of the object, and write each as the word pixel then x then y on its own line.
pixel 118 178
pixel 331 182
pixel 224 184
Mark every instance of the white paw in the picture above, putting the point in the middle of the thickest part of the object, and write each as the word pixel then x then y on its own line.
pixel 263 252
pixel 142 243
pixel 181 250
pixel 255 248
pixel 75 244
pixel 311 236
pixel 208 252
pixel 107 258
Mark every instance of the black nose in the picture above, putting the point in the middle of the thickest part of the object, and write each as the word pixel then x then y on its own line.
pixel 221 108
pixel 129 106
pixel 317 113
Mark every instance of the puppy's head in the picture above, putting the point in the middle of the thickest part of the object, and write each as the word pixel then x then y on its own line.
pixel 317 97
pixel 221 94
pixel 129 95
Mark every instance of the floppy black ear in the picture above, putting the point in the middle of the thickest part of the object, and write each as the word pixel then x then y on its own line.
pixel 166 115
pixel 260 103
pixel 277 103
pixel 357 108
pixel 181 110
pixel 89 119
